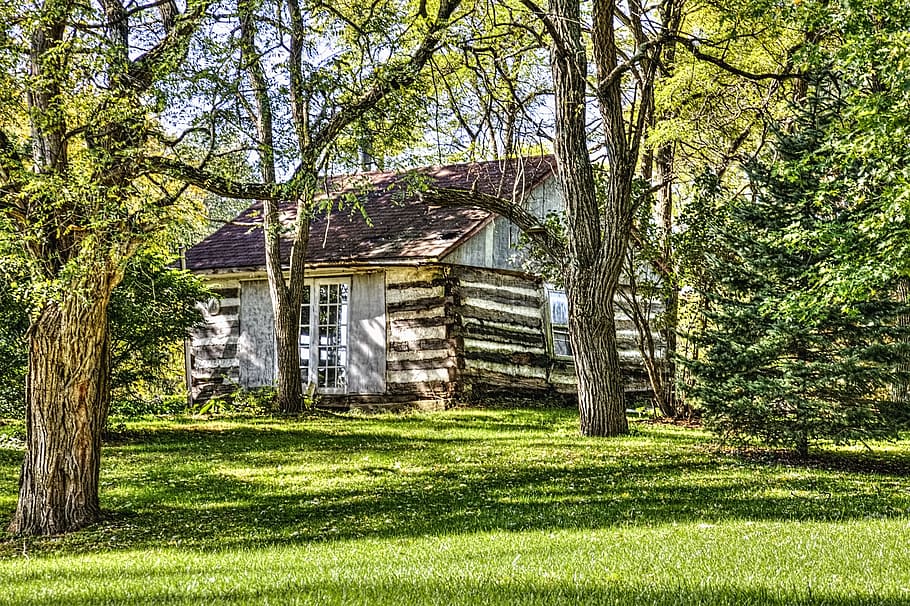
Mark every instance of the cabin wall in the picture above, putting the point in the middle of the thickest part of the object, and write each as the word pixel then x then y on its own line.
pixel 500 331
pixel 500 321
pixel 422 355
pixel 433 333
pixel 215 367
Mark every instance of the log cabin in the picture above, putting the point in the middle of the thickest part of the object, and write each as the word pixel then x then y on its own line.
pixel 405 303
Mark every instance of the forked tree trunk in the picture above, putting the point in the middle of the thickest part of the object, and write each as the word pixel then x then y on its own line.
pixel 285 306
pixel 67 397
pixel 597 238
pixel 601 398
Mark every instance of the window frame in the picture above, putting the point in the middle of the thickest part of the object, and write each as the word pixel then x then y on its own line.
pixel 563 328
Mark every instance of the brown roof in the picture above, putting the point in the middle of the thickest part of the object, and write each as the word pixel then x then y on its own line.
pixel 400 227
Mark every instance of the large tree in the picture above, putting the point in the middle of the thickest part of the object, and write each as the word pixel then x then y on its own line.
pixel 801 325
pixel 75 205
pixel 626 41
pixel 299 108
pixel 151 312
pixel 599 159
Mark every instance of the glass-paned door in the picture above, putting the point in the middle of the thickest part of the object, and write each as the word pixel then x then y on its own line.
pixel 324 334
pixel 332 362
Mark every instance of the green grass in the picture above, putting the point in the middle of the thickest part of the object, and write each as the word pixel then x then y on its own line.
pixel 468 507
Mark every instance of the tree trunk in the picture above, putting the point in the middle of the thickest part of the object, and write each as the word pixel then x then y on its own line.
pixel 596 239
pixel 900 390
pixel 601 397
pixel 285 307
pixel 67 397
pixel 667 399
pixel 290 391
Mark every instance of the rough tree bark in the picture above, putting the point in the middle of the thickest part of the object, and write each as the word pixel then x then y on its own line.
pixel 598 229
pixel 78 219
pixel 67 395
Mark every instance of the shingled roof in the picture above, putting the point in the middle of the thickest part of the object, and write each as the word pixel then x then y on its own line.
pixel 400 228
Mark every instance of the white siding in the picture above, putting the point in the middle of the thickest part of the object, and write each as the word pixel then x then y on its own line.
pixel 256 345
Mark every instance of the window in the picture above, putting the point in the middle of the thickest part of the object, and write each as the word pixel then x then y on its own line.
pixel 324 334
pixel 558 315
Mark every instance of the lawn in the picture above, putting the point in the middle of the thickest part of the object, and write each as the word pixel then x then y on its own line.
pixel 468 507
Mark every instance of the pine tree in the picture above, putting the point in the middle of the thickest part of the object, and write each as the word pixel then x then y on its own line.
pixel 785 360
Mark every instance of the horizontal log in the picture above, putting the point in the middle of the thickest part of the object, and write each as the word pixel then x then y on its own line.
pixel 495 346
pixel 568 380
pixel 422 388
pixel 486 379
pixel 383 402
pixel 425 364
pixel 406 294
pixel 479 313
pixel 399 334
pixel 422 354
pixel 483 326
pixel 425 375
pixel 431 283
pixel 496 334
pixel 506 368
pixel 422 344
pixel 491 276
pixel 504 310
pixel 419 322
pixel 566 389
pixel 516 358
pixel 500 297
pixel 427 304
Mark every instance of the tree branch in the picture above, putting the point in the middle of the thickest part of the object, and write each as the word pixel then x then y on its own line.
pixel 216 184
pixel 397 79
pixel 692 45
pixel 547 23
pixel 539 233
pixel 178 30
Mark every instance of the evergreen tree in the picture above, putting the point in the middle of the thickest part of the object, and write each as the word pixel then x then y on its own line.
pixel 784 361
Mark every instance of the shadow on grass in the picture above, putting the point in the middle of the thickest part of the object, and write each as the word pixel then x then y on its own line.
pixel 234 487
pixel 846 462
